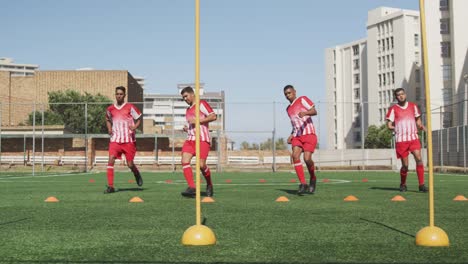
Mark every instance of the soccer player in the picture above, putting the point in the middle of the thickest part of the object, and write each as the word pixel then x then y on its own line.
pixel 404 118
pixel 207 115
pixel 303 137
pixel 121 125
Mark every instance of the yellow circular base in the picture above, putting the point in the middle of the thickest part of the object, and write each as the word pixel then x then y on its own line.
pixel 198 235
pixel 432 236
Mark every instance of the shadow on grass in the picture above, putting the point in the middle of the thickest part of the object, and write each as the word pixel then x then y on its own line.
pixel 288 191
pixel 387 226
pixel 130 189
pixel 389 189
pixel 14 221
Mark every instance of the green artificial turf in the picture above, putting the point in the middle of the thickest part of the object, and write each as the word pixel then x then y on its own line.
pixel 87 226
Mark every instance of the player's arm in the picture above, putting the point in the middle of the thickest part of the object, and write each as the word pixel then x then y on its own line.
pixel 390 125
pixel 419 124
pixel 311 112
pixel 210 118
pixel 108 123
pixel 137 116
pixel 137 124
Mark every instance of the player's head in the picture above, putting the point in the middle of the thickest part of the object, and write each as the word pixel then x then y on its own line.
pixel 400 95
pixel 120 93
pixel 188 95
pixel 289 92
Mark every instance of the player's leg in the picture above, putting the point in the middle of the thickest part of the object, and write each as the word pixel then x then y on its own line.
pixel 311 168
pixel 419 169
pixel 130 151
pixel 188 151
pixel 204 150
pixel 309 144
pixel 403 174
pixel 296 157
pixel 110 174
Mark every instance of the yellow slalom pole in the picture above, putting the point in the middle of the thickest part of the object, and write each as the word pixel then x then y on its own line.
pixel 198 235
pixel 431 235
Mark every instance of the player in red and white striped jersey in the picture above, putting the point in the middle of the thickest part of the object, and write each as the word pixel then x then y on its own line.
pixel 303 137
pixel 207 115
pixel 120 121
pixel 404 118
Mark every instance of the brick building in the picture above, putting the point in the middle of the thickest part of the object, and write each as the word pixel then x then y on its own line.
pixel 18 93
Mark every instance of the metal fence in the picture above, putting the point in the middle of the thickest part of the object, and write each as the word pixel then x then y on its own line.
pixel 248 136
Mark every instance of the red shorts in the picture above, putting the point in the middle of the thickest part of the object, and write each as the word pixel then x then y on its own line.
pixel 189 147
pixel 117 149
pixel 403 149
pixel 306 142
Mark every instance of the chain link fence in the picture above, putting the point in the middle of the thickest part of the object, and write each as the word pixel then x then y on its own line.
pixel 72 137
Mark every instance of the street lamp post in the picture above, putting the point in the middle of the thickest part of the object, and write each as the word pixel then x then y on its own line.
pixel 465 113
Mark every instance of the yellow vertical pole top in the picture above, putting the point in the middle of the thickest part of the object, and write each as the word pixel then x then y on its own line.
pixel 428 111
pixel 197 109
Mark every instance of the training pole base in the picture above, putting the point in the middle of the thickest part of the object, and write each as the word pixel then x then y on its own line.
pixel 198 235
pixel 432 236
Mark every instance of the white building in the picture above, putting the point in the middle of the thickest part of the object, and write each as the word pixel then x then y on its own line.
pixel 387 59
pixel 167 111
pixel 346 74
pixel 447 40
pixel 17 69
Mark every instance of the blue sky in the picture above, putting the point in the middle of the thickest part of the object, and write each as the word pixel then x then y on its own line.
pixel 249 48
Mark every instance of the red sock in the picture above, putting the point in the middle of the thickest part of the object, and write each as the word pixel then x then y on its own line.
pixel 403 174
pixel 311 169
pixel 299 171
pixel 420 173
pixel 110 175
pixel 207 174
pixel 188 174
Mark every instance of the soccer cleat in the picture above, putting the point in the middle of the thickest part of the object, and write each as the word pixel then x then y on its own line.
pixel 403 188
pixel 190 192
pixel 422 188
pixel 138 179
pixel 302 189
pixel 312 186
pixel 209 191
pixel 109 189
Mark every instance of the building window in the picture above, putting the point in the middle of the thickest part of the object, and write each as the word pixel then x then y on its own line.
pixel 388 43
pixel 416 40
pixel 418 93
pixel 356 78
pixel 380 114
pixel 444 4
pixel 445 26
pixel 383 45
pixel 383 62
pixel 393 77
pixel 334 68
pixel 357 136
pixel 416 57
pixel 380 63
pixel 357 108
pixel 357 93
pixel 380 97
pixel 392 59
pixel 148 103
pixel 391 41
pixel 380 80
pixel 379 47
pixel 445 49
pixel 417 76
pixel 334 55
pixel 447 72
pixel 384 79
pixel 356 50
pixel 356 64
pixel 388 61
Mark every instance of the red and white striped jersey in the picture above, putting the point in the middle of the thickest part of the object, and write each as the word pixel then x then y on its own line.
pixel 404 118
pixel 304 125
pixel 122 117
pixel 205 110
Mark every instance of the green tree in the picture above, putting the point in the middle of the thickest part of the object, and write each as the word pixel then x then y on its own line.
pixel 245 145
pixel 378 137
pixel 68 108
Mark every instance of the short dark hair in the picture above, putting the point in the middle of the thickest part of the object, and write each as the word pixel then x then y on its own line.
pixel 187 89
pixel 397 90
pixel 121 88
pixel 288 87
